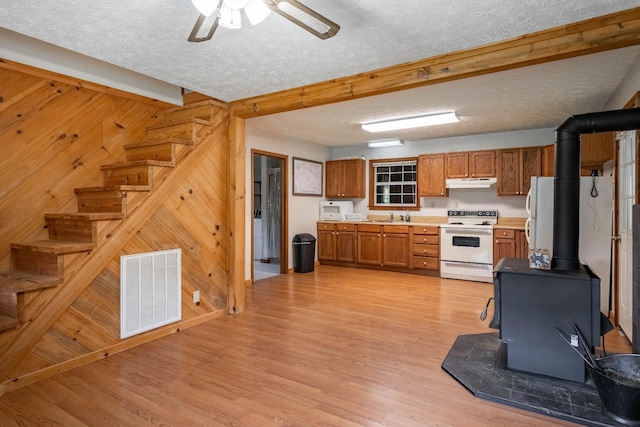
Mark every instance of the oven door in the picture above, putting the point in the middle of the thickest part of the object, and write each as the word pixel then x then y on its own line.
pixel 472 245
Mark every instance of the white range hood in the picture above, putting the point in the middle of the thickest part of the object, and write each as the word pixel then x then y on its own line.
pixel 471 182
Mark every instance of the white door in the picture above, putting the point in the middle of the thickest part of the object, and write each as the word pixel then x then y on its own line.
pixel 627 156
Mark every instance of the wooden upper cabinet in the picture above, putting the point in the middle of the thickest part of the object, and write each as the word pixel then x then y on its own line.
pixel 431 175
pixel 548 160
pixel 515 167
pixel 345 178
pixel 595 150
pixel 458 165
pixel 482 164
pixel 471 164
pixel 530 165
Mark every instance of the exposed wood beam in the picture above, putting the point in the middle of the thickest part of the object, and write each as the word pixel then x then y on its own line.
pixel 599 34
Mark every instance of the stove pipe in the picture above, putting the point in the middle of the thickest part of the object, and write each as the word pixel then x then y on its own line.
pixel 567 177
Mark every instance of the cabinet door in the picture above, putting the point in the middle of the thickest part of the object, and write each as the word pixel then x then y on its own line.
pixel 369 248
pixel 346 246
pixel 508 172
pixel 395 250
pixel 522 247
pixel 504 245
pixel 548 160
pixel 353 178
pixel 503 248
pixel 595 150
pixel 333 178
pixel 431 177
pixel 530 165
pixel 482 164
pixel 326 245
pixel 458 165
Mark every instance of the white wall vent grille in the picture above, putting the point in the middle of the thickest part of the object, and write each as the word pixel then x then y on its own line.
pixel 150 291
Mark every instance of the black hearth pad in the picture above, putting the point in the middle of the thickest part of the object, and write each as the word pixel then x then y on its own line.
pixel 478 362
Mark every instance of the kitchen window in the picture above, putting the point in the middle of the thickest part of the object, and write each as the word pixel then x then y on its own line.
pixel 393 184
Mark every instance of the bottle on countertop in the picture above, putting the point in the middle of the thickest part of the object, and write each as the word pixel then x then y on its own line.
pixel 407 217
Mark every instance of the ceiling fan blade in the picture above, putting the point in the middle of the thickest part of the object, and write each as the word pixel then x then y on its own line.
pixel 205 26
pixel 304 17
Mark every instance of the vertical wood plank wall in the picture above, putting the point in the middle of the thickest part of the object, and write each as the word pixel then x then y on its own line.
pixel 54 138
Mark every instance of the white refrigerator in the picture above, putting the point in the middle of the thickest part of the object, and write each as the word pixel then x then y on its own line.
pixel 596 222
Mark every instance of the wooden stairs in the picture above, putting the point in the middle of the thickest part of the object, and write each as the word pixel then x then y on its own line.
pixel 39 264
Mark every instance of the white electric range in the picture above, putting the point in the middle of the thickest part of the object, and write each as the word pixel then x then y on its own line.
pixel 466 245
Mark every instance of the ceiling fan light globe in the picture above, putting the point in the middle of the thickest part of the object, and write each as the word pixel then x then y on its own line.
pixel 236 4
pixel 229 18
pixel 205 7
pixel 256 11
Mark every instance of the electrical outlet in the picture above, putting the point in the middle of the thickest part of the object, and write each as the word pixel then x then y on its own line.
pixel 433 204
pixel 196 297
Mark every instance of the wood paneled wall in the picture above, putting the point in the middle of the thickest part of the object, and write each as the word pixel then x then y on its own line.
pixel 54 138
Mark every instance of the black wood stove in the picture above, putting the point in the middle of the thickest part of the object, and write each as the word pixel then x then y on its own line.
pixel 531 303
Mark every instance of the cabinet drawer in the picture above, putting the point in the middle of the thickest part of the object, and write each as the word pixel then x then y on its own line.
pixel 425 229
pixel 404 229
pixel 426 263
pixel 426 250
pixel 504 233
pixel 345 227
pixel 325 227
pixel 426 239
pixel 371 228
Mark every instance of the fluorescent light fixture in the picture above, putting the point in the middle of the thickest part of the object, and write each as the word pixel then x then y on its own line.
pixel 411 122
pixel 385 143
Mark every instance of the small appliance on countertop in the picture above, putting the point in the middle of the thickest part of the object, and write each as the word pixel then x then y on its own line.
pixel 335 211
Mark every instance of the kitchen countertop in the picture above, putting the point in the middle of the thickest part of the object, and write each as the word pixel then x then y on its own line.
pixel 510 223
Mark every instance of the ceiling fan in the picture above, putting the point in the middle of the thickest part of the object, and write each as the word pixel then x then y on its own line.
pixel 227 14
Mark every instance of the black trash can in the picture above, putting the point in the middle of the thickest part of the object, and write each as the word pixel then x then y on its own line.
pixel 304 253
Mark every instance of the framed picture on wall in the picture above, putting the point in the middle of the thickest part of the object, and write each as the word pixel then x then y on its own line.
pixel 307 177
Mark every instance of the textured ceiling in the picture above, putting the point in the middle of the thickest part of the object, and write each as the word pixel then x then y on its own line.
pixel 150 37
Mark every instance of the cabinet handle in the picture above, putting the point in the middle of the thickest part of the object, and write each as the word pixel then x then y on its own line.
pixel 442 194
pixel 378 235
pixel 424 240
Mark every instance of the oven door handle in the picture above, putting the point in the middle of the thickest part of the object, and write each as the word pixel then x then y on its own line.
pixel 468 264
pixel 472 231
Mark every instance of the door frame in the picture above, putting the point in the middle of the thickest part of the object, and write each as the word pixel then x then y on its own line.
pixel 634 102
pixel 284 208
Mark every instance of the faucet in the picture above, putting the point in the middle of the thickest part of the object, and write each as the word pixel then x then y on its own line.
pixel 391 216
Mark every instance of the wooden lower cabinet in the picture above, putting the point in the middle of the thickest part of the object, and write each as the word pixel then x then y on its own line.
pixel 326 242
pixel 346 243
pixel 336 242
pixel 509 243
pixel 369 244
pixel 426 248
pixel 394 247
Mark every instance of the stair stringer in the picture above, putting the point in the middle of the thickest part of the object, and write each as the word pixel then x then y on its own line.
pixel 84 269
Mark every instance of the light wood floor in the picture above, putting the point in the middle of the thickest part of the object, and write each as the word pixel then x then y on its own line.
pixel 338 346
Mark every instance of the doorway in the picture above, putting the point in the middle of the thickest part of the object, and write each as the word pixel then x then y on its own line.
pixel 269 206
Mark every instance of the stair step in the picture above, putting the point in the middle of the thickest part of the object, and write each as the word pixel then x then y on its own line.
pixel 23 281
pixel 70 228
pixel 123 188
pixel 7 322
pixel 119 174
pixel 87 216
pixel 101 200
pixel 165 151
pixel 187 130
pixel 204 110
pixel 152 142
pixel 136 163
pixel 57 247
